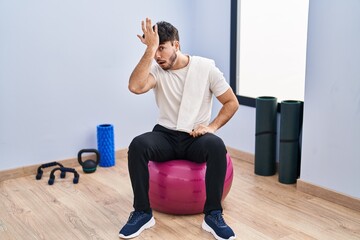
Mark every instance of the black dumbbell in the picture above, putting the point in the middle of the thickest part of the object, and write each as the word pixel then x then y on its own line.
pixel 46 165
pixel 63 170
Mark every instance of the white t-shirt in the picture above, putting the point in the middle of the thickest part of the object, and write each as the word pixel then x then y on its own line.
pixel 169 90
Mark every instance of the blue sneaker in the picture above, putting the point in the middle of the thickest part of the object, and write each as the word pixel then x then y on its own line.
pixel 138 221
pixel 215 224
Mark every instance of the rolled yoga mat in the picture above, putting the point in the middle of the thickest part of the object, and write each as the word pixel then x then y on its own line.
pixel 289 151
pixel 265 136
pixel 105 142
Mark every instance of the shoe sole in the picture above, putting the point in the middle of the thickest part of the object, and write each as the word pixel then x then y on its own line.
pixel 147 225
pixel 207 228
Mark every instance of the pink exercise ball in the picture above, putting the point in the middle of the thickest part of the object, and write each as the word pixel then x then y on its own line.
pixel 178 186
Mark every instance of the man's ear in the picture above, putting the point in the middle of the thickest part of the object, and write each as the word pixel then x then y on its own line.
pixel 177 45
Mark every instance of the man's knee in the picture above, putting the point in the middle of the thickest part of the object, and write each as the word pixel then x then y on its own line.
pixel 208 146
pixel 136 143
pixel 139 145
pixel 213 142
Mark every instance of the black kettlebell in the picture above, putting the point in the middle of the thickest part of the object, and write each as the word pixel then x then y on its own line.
pixel 89 166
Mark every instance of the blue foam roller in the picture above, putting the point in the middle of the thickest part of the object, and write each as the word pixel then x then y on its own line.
pixel 105 143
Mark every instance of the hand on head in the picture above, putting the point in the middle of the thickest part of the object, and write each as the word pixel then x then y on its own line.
pixel 150 37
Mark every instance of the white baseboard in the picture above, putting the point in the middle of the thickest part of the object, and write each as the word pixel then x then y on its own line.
pixel 329 195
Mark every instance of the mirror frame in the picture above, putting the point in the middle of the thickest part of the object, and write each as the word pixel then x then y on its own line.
pixel 243 100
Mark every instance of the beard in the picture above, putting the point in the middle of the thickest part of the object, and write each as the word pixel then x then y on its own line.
pixel 171 61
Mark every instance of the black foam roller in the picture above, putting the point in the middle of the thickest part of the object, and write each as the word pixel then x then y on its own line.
pixel 265 136
pixel 289 150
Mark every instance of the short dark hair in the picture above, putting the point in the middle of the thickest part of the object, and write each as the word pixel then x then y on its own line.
pixel 167 32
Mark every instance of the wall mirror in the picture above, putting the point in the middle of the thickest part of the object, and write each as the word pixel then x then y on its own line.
pixel 268 49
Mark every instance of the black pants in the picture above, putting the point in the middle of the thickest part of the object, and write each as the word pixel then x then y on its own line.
pixel 162 145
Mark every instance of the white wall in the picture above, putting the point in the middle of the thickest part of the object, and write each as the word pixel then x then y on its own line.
pixel 64 68
pixel 331 128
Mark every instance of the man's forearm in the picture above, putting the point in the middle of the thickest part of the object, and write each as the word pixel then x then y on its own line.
pixel 141 72
pixel 225 114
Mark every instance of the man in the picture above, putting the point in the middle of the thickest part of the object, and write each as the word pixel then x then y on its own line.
pixel 183 87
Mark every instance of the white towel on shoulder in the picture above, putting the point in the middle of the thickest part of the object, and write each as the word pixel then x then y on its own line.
pixel 193 94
